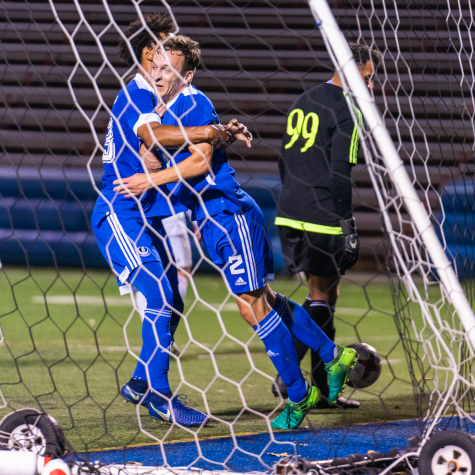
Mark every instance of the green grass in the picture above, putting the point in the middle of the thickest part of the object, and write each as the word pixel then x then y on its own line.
pixel 71 359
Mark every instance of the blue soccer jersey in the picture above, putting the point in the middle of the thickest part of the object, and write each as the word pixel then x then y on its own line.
pixel 133 108
pixel 219 191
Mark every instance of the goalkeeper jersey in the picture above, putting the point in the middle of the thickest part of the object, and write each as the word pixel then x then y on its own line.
pixel 320 140
pixel 219 190
pixel 133 107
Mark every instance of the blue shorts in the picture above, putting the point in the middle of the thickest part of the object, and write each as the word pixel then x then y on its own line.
pixel 240 245
pixel 126 243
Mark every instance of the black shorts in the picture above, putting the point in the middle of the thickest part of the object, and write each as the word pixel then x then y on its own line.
pixel 318 254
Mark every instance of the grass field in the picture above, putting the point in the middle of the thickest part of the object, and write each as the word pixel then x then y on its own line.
pixel 70 356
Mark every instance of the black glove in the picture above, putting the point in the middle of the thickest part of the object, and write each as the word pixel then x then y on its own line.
pixel 351 244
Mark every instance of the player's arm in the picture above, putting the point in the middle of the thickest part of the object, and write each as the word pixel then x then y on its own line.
pixel 198 163
pixel 153 133
pixel 345 142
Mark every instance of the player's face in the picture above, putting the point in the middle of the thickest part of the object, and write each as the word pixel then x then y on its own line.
pixel 167 81
pixel 368 74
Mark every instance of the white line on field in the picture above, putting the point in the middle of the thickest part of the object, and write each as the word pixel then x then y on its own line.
pixel 106 348
pixel 81 299
pixel 124 301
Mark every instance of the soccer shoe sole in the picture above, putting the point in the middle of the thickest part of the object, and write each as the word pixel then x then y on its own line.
pixel 313 399
pixel 350 366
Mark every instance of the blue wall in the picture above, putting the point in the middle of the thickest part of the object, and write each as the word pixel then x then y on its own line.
pixel 44 216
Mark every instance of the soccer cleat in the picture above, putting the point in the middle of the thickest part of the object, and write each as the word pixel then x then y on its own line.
pixel 135 397
pixel 294 413
pixel 184 415
pixel 338 371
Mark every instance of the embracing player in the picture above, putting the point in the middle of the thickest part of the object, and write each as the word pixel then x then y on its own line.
pixel 128 231
pixel 317 228
pixel 236 236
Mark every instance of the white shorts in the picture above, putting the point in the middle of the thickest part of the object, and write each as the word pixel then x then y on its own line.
pixel 177 232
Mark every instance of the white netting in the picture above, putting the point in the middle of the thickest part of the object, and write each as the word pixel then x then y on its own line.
pixel 71 342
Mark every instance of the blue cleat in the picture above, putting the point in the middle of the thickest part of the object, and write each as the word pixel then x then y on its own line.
pixel 184 415
pixel 133 396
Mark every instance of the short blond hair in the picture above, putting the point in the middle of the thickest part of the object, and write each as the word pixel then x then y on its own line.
pixel 189 48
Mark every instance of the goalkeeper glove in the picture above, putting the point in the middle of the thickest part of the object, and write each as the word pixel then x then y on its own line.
pixel 351 244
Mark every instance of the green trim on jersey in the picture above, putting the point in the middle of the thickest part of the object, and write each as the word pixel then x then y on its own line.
pixel 355 136
pixel 310 227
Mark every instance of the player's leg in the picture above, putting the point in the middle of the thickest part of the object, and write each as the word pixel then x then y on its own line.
pixel 318 255
pixel 151 281
pixel 320 305
pixel 240 245
pixel 256 308
pixel 129 249
pixel 323 276
pixel 176 230
pixel 166 252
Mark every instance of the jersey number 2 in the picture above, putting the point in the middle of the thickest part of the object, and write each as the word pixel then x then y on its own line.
pixel 307 125
pixel 237 260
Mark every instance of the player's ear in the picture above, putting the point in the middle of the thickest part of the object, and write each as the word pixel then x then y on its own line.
pixel 148 53
pixel 188 77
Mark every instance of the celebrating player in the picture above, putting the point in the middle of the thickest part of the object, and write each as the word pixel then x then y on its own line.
pixel 317 228
pixel 236 236
pixel 124 227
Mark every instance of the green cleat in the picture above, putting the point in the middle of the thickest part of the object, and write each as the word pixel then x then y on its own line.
pixel 294 413
pixel 338 371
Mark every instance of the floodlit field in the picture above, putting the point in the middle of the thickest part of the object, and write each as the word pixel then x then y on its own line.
pixel 70 355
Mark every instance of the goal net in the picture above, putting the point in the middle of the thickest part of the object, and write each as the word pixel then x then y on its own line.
pixel 69 341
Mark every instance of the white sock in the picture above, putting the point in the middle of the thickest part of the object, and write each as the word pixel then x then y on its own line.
pixel 141 303
pixel 182 286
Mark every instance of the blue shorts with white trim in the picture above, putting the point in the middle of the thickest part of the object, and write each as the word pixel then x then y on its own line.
pixel 126 242
pixel 240 245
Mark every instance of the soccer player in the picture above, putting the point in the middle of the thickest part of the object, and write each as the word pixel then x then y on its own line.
pixel 236 236
pixel 317 228
pixel 124 227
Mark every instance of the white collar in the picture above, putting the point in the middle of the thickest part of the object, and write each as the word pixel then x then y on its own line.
pixel 183 91
pixel 142 83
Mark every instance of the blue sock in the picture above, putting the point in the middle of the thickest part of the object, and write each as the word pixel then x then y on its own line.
pixel 156 335
pixel 280 348
pixel 303 328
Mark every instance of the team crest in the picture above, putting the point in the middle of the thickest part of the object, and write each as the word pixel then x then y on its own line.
pixel 144 251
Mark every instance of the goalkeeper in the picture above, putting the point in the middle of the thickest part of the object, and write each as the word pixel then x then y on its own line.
pixel 236 236
pixel 317 228
pixel 124 228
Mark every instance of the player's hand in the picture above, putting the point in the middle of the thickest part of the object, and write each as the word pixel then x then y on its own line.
pixel 351 244
pixel 239 131
pixel 133 185
pixel 150 159
pixel 219 136
pixel 160 110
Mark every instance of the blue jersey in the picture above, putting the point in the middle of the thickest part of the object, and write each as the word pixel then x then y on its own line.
pixel 122 147
pixel 219 191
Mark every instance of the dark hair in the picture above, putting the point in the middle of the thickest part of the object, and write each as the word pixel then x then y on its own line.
pixel 187 47
pixel 363 54
pixel 156 22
